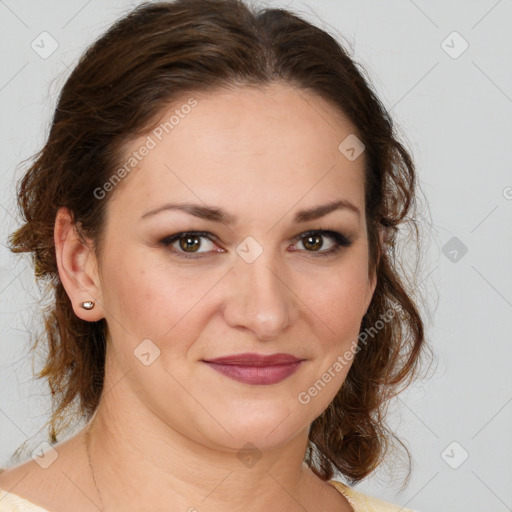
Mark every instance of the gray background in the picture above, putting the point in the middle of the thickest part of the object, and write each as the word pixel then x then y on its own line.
pixel 454 110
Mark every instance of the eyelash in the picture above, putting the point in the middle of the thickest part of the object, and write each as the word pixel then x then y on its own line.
pixel 339 239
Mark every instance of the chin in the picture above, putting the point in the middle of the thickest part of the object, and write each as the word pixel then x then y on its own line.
pixel 264 427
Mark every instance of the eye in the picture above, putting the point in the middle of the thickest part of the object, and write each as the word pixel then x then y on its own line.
pixel 313 241
pixel 187 244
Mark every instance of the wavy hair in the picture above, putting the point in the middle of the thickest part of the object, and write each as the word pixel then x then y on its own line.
pixel 118 91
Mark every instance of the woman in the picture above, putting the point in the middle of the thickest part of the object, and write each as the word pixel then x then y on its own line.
pixel 215 209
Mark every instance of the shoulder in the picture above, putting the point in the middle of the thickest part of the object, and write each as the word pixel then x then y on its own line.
pixel 36 487
pixel 364 503
pixel 10 502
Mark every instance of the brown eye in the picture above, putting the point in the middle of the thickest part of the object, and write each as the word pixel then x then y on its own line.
pixel 312 242
pixel 190 243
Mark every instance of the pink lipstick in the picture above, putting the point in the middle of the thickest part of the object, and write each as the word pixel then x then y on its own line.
pixel 256 369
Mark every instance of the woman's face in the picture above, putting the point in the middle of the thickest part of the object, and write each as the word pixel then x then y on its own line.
pixel 255 169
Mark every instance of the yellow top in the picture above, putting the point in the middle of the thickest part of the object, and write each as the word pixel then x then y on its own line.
pixel 360 502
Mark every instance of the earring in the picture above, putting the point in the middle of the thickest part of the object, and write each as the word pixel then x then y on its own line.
pixel 87 305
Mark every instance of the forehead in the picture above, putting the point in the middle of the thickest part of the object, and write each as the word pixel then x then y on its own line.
pixel 243 146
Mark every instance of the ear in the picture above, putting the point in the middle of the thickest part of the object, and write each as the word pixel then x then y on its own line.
pixel 372 283
pixel 78 269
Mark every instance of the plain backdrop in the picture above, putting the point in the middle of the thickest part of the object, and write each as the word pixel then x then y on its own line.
pixel 443 69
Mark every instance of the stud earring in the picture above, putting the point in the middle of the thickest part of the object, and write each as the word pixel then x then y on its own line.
pixel 89 304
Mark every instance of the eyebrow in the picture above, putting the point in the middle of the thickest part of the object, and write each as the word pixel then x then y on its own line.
pixel 219 215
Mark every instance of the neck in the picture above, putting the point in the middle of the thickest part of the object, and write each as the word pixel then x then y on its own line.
pixel 140 463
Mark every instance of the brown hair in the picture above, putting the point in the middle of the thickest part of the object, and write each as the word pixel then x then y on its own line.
pixel 118 91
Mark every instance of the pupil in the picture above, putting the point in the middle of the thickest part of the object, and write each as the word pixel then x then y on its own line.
pixel 189 242
pixel 316 245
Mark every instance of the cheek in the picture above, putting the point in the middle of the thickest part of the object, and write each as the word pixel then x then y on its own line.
pixel 148 299
pixel 339 300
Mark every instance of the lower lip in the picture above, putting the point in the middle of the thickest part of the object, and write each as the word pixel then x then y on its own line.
pixel 256 375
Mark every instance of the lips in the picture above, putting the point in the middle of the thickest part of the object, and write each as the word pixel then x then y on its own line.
pixel 251 359
pixel 256 369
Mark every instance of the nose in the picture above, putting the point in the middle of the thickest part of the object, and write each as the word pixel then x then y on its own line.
pixel 260 299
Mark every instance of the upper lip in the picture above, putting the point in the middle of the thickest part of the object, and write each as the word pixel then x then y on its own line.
pixel 252 359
